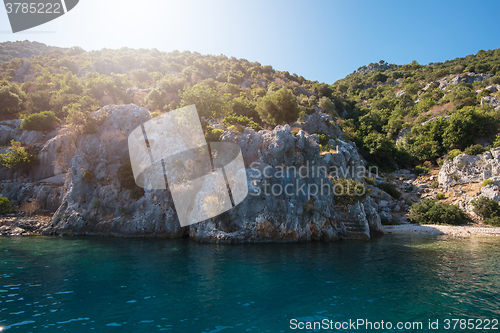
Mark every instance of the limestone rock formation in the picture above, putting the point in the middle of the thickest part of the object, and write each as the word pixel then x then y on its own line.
pixel 467 77
pixel 291 197
pixel 77 178
pixel 464 169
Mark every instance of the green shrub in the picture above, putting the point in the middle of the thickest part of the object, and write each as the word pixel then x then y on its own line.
pixel 496 143
pixel 11 100
pixel 475 150
pixel 322 137
pixel 96 202
pixel 242 120
pixel 370 181
pixel 313 100
pixel 493 221
pixel 419 169
pixel 454 153
pixel 305 111
pixel 349 191
pixel 429 211
pixel 83 119
pixel 19 158
pixel 486 208
pixel 155 114
pixel 428 142
pixel 126 177
pixel 278 107
pixel 440 196
pixel 213 134
pixel 91 126
pixel 326 103
pixel 483 93
pixel 43 121
pixel 244 107
pixel 391 189
pixel 5 206
pixel 236 128
pixel 209 102
pixel 326 148
pixel 435 184
pixel 380 147
pixel 487 182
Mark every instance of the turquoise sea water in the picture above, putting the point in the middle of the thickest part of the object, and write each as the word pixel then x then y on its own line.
pixel 51 284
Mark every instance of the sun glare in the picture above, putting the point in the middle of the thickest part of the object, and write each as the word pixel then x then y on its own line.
pixel 131 20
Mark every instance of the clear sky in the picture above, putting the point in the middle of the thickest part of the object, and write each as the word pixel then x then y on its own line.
pixel 321 40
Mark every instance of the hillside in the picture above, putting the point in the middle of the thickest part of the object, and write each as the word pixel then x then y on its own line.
pixel 57 104
pixel 374 105
pixel 436 108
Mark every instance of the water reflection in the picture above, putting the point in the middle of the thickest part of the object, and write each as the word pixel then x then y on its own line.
pixel 149 285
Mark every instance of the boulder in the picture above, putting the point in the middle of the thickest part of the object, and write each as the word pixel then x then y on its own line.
pixel 490 191
pixel 490 101
pixel 402 134
pixel 492 88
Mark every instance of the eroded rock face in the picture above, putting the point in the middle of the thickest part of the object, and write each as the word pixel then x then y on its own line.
pixel 464 169
pixel 44 181
pixel 100 205
pixel 290 193
pixel 290 196
pixel 321 122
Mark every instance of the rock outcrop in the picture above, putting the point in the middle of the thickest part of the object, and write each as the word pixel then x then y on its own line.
pixel 98 204
pixel 490 101
pixel 291 196
pixel 465 169
pixel 467 77
pixel 401 138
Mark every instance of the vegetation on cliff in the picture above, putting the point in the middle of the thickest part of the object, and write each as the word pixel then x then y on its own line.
pixel 373 105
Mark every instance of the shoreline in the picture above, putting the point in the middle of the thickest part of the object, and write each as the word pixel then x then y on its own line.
pixel 32 226
pixel 443 230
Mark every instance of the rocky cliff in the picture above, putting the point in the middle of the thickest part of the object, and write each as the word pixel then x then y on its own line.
pixel 461 173
pixel 77 179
